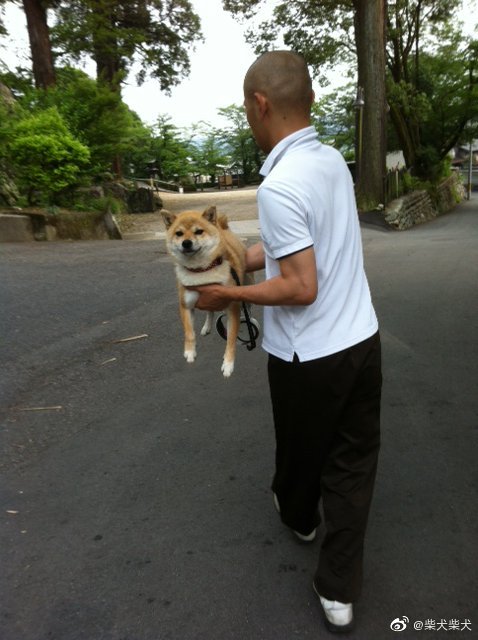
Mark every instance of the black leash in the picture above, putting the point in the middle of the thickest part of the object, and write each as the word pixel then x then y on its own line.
pixel 252 326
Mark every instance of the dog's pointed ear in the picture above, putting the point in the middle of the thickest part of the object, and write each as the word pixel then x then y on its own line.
pixel 222 221
pixel 210 214
pixel 168 218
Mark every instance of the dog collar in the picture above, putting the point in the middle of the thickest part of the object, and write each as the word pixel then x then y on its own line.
pixel 214 263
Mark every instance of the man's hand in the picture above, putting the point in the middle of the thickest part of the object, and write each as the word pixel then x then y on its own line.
pixel 295 285
pixel 212 297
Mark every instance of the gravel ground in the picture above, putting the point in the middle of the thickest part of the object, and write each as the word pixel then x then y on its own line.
pixel 237 204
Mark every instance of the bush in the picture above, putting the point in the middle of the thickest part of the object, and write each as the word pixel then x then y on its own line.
pixel 104 204
pixel 96 116
pixel 46 157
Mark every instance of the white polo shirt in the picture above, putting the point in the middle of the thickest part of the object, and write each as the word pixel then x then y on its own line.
pixel 307 200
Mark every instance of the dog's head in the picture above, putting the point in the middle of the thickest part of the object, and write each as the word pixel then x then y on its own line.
pixel 192 235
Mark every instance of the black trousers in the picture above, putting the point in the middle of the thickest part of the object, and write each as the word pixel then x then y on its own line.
pixel 327 424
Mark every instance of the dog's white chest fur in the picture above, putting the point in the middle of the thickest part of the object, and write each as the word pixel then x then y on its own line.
pixel 217 275
pixel 220 274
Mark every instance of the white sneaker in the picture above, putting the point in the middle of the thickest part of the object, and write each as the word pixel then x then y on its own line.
pixel 339 616
pixel 305 538
pixel 308 538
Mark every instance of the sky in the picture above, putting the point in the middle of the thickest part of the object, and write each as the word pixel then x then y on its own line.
pixel 218 66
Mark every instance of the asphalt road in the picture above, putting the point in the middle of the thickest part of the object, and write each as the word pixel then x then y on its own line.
pixel 141 510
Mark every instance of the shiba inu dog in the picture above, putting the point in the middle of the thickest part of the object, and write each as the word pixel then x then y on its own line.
pixel 205 250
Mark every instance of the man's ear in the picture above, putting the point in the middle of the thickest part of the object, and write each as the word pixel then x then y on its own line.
pixel 210 214
pixel 262 103
pixel 168 218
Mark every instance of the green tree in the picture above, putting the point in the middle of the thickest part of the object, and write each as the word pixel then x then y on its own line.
pixel 39 38
pixel 93 113
pixel 40 44
pixel 208 152
pixel 431 81
pixel 156 34
pixel 46 157
pixel 98 117
pixel 333 118
pixel 3 30
pixel 239 142
pixel 170 150
pixel 327 32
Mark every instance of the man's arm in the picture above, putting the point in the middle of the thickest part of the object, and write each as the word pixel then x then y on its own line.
pixel 255 258
pixel 296 285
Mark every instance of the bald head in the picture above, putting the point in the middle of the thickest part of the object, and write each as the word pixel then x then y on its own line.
pixel 283 77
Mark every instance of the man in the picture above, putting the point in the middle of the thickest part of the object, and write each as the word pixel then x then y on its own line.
pixel 320 330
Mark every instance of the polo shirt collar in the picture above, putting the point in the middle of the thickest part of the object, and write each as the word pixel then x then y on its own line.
pixel 294 139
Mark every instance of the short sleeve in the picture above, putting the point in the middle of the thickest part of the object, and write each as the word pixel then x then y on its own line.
pixel 283 220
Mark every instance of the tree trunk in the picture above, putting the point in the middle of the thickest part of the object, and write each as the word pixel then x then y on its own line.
pixel 40 46
pixel 370 41
pixel 105 44
pixel 106 55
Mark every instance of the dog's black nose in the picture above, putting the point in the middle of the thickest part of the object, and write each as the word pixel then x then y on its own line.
pixel 187 244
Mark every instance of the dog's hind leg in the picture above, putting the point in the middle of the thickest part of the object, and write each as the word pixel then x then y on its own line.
pixel 207 326
pixel 233 320
pixel 187 319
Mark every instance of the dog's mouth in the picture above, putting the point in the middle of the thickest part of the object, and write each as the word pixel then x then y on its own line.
pixel 190 251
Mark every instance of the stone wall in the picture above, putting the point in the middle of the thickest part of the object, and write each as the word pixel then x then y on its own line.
pixel 419 206
pixel 29 226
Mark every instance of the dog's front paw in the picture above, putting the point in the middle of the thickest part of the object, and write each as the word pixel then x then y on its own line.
pixel 227 368
pixel 190 355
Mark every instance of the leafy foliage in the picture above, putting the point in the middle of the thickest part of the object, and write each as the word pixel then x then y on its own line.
pixel 170 150
pixel 46 156
pixel 156 34
pixel 3 30
pixel 93 113
pixel 432 70
pixel 322 31
pixel 208 151
pixel 239 142
pixel 97 116
pixel 431 82
pixel 8 116
pixel 333 118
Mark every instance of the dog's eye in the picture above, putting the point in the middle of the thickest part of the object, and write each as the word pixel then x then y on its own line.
pixel 179 234
pixel 198 232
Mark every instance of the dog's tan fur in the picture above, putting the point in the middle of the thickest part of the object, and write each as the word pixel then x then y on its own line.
pixel 204 249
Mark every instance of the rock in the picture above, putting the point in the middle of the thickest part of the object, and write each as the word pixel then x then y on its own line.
pixel 95 191
pixel 8 190
pixel 418 206
pixel 6 96
pixel 158 201
pixel 117 190
pixel 141 201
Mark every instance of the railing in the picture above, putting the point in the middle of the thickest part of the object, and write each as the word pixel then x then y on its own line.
pixel 157 185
